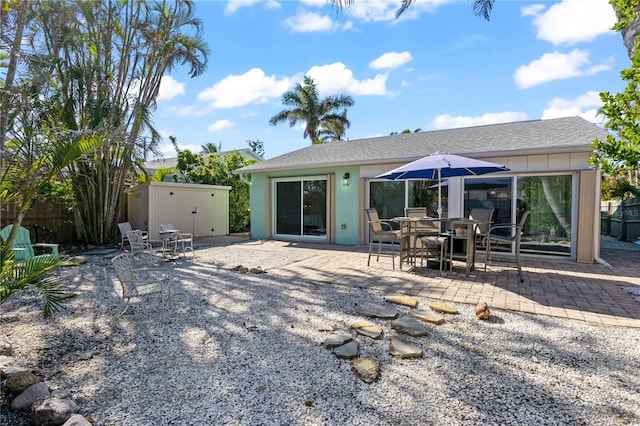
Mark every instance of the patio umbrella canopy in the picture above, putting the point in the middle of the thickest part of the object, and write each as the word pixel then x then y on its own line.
pixel 442 165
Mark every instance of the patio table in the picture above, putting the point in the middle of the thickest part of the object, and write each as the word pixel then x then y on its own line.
pixel 464 230
pixel 409 227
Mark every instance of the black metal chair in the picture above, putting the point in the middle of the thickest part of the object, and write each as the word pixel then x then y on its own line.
pixel 512 237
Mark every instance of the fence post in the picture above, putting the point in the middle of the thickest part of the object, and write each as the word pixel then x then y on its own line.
pixel 609 218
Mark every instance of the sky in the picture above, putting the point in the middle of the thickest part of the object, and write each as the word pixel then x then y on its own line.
pixel 437 67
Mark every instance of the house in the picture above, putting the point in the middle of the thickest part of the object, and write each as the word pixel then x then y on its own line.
pixel 319 193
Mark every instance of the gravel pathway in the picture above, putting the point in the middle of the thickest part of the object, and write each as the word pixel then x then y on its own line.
pixel 244 349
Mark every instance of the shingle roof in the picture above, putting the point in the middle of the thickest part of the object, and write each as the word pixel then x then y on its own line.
pixel 523 137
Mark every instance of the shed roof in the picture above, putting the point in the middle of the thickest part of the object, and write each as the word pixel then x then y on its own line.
pixel 569 134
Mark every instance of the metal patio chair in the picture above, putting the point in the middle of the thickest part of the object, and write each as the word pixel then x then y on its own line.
pixel 513 236
pixel 381 231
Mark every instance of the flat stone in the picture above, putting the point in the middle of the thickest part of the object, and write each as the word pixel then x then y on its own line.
pixel 360 324
pixel 336 340
pixel 376 311
pixel 53 411
pixel 403 349
pixel 410 326
pixel 29 396
pixel 366 369
pixel 402 300
pixel 372 331
pixel 427 316
pixel 347 351
pixel 77 420
pixel 438 307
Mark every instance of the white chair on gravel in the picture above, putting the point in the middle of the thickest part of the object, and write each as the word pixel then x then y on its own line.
pixel 140 277
pixel 177 238
pixel 125 227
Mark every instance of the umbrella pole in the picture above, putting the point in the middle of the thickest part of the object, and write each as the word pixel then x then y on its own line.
pixel 440 200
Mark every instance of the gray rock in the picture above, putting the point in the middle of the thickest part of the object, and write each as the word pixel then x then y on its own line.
pixel 21 380
pixel 77 420
pixel 366 369
pixel 336 340
pixel 410 326
pixel 9 366
pixel 376 311
pixel 30 395
pixel 403 349
pixel 53 411
pixel 348 350
pixel 372 331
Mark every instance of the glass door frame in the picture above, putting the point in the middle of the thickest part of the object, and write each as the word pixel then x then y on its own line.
pixel 274 207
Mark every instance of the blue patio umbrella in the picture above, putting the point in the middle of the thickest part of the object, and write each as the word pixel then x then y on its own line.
pixel 442 165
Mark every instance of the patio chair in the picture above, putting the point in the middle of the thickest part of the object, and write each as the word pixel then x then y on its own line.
pixel 381 231
pixel 125 227
pixel 486 218
pixel 185 240
pixel 434 241
pixel 137 241
pixel 514 235
pixel 421 228
pixel 22 247
pixel 144 279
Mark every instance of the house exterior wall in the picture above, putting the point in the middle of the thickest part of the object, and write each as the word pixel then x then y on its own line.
pixel 202 210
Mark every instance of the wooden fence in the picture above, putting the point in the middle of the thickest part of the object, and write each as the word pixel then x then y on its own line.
pixel 612 219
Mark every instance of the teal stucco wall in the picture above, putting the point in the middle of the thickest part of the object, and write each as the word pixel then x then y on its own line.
pixel 347 200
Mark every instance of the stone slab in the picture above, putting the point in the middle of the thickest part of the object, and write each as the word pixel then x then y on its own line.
pixel 402 300
pixel 439 307
pixel 427 316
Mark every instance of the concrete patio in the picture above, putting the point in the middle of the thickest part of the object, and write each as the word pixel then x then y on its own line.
pixel 588 292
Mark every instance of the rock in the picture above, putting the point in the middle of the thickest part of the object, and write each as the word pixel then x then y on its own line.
pixel 360 324
pixel 403 349
pixel 30 395
pixel 53 411
pixel 410 326
pixel 336 340
pixel 347 351
pixel 77 420
pixel 375 311
pixel 21 380
pixel 438 307
pixel 5 347
pixel 372 331
pixel 366 369
pixel 236 268
pixel 402 300
pixel 427 316
pixel 482 310
pixel 325 327
pixel 257 270
pixel 9 366
pixel 243 270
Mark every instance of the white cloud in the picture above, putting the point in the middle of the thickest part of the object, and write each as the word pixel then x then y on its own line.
pixel 447 121
pixel 556 66
pixel 234 5
pixel 251 87
pixel 572 21
pixel 220 125
pixel 169 88
pixel 306 22
pixel 385 10
pixel 586 106
pixel 391 60
pixel 336 78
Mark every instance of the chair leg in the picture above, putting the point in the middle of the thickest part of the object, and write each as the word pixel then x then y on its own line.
pixel 518 260
pixel 370 247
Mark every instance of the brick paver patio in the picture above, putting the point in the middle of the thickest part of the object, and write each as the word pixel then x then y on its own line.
pixel 565 289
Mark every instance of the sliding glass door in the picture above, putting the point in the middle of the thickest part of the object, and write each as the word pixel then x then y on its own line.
pixel 301 207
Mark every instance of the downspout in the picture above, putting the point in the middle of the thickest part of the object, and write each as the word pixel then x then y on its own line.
pixel 596 235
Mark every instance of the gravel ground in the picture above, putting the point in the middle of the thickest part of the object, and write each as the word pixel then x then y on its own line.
pixel 244 349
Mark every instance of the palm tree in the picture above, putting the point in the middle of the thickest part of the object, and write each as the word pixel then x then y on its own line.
pixel 209 148
pixel 333 131
pixel 318 115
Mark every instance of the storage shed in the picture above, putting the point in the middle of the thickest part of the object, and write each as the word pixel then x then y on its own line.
pixel 202 210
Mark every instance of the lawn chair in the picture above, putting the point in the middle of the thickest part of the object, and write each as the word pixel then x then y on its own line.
pixel 141 280
pixel 513 235
pixel 185 240
pixel 125 227
pixel 22 247
pixel 486 218
pixel 137 241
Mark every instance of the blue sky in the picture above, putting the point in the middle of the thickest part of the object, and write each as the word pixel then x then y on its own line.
pixel 437 67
